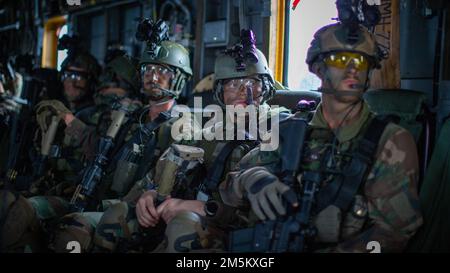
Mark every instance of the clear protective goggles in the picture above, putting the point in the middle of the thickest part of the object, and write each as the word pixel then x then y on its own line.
pixel 234 85
pixel 157 71
pixel 73 75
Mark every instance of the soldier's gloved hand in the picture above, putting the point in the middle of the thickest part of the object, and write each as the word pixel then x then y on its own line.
pixel 145 209
pixel 55 105
pixel 43 118
pixel 266 193
pixel 48 108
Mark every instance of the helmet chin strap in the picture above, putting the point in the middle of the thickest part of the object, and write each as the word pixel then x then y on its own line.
pixel 165 93
pixel 161 101
pixel 218 94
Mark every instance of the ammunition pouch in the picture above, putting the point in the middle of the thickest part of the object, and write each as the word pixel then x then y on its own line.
pixel 334 225
pixel 355 218
pixel 126 168
pixel 123 176
pixel 328 222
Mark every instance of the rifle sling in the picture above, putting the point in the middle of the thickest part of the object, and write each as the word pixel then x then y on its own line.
pixel 149 142
pixel 342 191
pixel 216 171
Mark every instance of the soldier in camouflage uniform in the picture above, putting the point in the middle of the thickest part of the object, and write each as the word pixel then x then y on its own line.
pixel 118 90
pixel 385 206
pixel 163 78
pixel 118 86
pixel 141 225
pixel 79 74
pixel 20 216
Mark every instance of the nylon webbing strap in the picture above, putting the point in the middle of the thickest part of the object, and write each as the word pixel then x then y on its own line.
pixel 216 170
pixel 342 191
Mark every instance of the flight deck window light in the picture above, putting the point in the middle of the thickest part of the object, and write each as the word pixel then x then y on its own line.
pixel 304 21
pixel 62 54
pixel 50 41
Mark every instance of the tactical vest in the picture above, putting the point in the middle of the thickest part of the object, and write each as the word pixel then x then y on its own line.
pixel 341 209
pixel 218 162
pixel 224 158
pixel 127 166
pixel 66 158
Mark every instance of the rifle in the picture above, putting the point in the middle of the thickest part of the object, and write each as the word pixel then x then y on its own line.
pixel 95 171
pixel 40 164
pixel 39 83
pixel 287 233
pixel 20 138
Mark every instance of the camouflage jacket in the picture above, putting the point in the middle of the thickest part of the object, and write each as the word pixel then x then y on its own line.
pixel 65 165
pixel 385 210
pixel 120 173
pixel 84 134
pixel 212 149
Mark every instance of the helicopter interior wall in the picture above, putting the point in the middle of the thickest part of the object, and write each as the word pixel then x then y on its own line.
pixel 106 27
pixel 443 103
pixel 228 12
pixel 416 62
pixel 420 26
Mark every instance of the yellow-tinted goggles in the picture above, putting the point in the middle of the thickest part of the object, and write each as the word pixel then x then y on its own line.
pixel 343 59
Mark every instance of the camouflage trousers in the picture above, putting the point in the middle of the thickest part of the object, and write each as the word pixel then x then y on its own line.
pixel 74 232
pixel 26 222
pixel 109 231
pixel 119 231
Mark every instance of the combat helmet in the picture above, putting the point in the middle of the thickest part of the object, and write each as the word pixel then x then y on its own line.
pixel 339 37
pixel 77 56
pixel 159 50
pixel 120 71
pixel 227 67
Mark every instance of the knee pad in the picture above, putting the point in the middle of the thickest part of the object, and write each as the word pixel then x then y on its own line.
pixel 49 208
pixel 184 233
pixel 73 234
pixel 115 224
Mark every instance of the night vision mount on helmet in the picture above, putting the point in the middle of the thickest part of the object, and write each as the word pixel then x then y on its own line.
pixel 359 12
pixel 159 50
pixel 153 33
pixel 240 61
pixel 245 50
pixel 353 33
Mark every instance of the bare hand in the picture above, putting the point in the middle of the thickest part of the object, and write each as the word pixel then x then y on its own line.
pixel 172 206
pixel 146 211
